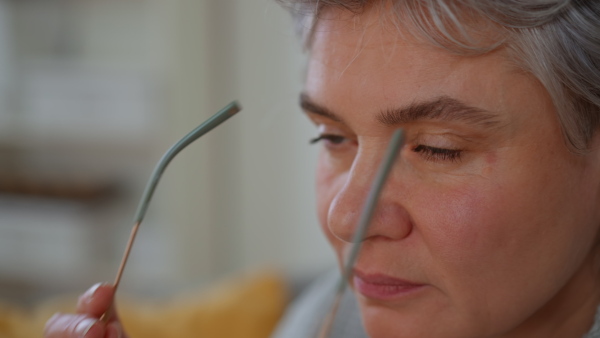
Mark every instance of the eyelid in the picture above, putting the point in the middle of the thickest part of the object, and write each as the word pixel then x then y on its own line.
pixel 438 146
pixel 329 137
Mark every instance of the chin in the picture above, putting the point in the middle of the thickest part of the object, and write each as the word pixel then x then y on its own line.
pixel 380 321
pixel 385 322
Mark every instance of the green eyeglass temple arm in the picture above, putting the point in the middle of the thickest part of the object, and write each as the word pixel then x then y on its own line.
pixel 220 117
pixel 390 158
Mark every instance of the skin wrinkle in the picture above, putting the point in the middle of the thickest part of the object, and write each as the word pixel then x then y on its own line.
pixel 443 108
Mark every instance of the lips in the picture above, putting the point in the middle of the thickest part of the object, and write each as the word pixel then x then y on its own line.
pixel 383 287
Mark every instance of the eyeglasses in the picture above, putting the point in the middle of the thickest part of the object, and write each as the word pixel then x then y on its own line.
pixel 391 155
pixel 221 116
pixel 208 125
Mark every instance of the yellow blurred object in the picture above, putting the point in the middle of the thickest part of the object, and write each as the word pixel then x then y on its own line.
pixel 248 306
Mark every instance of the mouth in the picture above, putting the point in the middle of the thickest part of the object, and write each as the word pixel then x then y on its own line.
pixel 383 287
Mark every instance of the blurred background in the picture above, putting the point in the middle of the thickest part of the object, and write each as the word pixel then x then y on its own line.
pixel 91 95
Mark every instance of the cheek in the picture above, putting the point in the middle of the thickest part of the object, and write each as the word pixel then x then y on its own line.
pixel 457 226
pixel 471 249
pixel 476 235
pixel 492 217
pixel 488 242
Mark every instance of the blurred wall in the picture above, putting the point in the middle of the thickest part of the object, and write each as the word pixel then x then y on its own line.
pixel 105 93
pixel 257 205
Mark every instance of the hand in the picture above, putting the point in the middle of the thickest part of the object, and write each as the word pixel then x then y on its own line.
pixel 86 322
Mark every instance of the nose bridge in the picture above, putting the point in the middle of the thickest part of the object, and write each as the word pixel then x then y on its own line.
pixel 346 207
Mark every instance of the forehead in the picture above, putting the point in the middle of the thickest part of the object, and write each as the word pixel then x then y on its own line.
pixel 362 45
pixel 368 61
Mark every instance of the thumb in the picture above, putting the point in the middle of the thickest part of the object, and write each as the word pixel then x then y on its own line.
pixel 96 300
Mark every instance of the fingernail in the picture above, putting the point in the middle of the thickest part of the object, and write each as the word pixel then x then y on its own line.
pixel 92 291
pixel 50 321
pixel 85 326
pixel 86 298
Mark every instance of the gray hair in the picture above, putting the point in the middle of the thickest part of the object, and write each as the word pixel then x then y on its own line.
pixel 557 41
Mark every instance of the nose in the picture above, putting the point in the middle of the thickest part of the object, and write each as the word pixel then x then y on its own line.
pixel 390 219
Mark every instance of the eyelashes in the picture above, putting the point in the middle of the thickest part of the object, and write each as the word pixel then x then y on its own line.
pixel 429 153
pixel 334 139
pixel 438 154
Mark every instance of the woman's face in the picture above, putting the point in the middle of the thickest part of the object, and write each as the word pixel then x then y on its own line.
pixel 487 224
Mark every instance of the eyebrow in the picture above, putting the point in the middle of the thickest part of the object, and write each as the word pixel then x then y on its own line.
pixel 442 108
pixel 310 106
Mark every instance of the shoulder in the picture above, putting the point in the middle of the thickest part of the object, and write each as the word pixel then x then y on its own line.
pixel 304 316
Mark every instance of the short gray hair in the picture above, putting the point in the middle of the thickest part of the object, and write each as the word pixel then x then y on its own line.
pixel 558 41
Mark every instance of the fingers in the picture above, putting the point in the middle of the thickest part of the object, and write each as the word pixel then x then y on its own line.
pixel 87 321
pixel 73 326
pixel 81 326
pixel 96 300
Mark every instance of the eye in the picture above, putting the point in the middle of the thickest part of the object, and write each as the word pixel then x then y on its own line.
pixel 438 154
pixel 329 138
